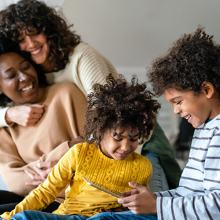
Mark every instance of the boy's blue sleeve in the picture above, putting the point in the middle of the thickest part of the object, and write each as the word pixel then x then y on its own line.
pixel 198 204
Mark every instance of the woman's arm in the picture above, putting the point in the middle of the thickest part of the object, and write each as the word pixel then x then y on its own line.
pixel 44 168
pixel 47 192
pixel 23 115
pixel 12 166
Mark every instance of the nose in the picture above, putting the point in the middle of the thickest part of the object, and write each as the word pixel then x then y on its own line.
pixel 176 109
pixel 30 42
pixel 23 77
pixel 125 145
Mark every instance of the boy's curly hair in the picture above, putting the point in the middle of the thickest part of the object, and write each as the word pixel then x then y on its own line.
pixel 118 103
pixel 33 15
pixel 192 59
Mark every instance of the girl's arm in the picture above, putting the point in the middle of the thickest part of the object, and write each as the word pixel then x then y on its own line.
pixel 47 192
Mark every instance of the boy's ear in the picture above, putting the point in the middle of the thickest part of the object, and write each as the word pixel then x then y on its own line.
pixel 208 89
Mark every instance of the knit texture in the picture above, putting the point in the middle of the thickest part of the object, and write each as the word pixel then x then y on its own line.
pixel 86 67
pixel 81 199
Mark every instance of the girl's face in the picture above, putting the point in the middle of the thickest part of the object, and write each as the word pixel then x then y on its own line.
pixel 36 44
pixel 119 146
pixel 18 79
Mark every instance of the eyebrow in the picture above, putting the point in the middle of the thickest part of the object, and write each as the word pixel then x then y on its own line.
pixel 12 67
pixel 172 100
pixel 128 135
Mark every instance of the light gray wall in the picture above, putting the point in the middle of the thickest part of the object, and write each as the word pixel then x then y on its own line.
pixel 131 33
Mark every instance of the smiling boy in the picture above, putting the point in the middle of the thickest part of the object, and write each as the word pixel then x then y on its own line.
pixel 189 77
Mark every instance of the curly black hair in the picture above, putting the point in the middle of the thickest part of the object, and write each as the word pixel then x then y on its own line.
pixel 33 15
pixel 191 60
pixel 8 46
pixel 118 103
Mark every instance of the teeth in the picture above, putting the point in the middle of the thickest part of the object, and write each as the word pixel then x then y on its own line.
pixel 188 117
pixel 27 88
pixel 36 51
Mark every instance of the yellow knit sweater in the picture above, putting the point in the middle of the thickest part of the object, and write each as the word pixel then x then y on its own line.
pixel 85 160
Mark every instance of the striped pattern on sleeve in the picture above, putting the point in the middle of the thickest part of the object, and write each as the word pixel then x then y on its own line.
pixel 198 194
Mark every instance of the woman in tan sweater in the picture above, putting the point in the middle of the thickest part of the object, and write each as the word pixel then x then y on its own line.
pixel 21 148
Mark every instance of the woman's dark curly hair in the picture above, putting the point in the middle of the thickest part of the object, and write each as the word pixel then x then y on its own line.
pixel 8 46
pixel 192 59
pixel 118 103
pixel 33 16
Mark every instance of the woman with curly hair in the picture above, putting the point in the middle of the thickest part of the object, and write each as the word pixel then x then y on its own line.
pixel 118 115
pixel 41 31
pixel 21 148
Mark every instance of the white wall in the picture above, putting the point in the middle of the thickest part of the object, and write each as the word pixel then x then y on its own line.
pixel 130 33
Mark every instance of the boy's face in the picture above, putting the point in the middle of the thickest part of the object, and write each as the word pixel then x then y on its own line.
pixel 119 146
pixel 196 109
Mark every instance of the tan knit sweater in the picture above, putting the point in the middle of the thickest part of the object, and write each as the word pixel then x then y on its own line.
pixel 22 147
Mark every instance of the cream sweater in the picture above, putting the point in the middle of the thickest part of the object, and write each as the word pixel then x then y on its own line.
pixel 86 67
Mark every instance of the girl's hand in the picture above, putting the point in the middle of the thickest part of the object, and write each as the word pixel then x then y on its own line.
pixel 25 115
pixel 43 169
pixel 139 200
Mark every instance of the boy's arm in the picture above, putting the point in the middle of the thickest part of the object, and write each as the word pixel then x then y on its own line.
pixel 204 205
pixel 47 192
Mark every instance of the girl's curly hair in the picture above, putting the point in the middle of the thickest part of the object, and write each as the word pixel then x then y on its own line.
pixel 8 46
pixel 192 59
pixel 118 103
pixel 32 16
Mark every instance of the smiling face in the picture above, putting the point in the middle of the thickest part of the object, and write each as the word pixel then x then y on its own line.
pixel 195 108
pixel 18 79
pixel 37 45
pixel 119 146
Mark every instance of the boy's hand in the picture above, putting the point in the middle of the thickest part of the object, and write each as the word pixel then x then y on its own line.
pixel 139 200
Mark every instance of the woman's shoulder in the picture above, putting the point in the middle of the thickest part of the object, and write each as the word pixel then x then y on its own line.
pixel 63 86
pixel 64 89
pixel 82 47
pixel 84 50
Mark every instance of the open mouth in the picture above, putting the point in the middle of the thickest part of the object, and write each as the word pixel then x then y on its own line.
pixel 188 118
pixel 27 88
pixel 36 51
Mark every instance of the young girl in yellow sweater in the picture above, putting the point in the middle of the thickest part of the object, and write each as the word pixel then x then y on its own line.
pixel 118 116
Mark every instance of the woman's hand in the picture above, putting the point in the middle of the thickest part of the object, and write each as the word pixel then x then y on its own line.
pixel 43 169
pixel 139 200
pixel 25 115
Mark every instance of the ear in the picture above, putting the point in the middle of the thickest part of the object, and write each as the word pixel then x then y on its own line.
pixel 208 89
